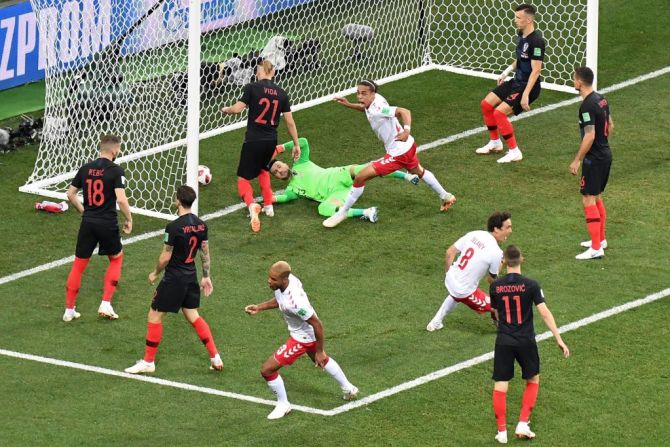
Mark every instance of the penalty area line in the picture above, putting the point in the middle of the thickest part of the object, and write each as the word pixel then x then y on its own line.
pixel 421 148
pixel 435 375
pixel 156 381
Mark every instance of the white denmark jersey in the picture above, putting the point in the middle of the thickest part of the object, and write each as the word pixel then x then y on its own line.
pixel 296 309
pixel 479 253
pixel 384 123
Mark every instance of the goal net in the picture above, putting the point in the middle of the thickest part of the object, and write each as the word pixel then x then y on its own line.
pixel 122 67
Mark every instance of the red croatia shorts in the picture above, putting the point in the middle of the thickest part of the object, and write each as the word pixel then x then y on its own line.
pixel 292 350
pixel 479 301
pixel 389 163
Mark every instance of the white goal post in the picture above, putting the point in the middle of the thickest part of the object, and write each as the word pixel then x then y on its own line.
pixel 157 72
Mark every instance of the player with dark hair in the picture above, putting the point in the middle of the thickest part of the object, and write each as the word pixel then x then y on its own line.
pixel 399 144
pixel 306 336
pixel 266 102
pixel 515 95
pixel 479 255
pixel 102 183
pixel 179 288
pixel 328 186
pixel 512 299
pixel 595 125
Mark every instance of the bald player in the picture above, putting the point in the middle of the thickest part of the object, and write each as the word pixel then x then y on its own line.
pixel 306 336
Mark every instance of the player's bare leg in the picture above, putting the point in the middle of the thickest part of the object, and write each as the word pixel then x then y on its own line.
pixel 488 105
pixel 270 372
pixel 501 114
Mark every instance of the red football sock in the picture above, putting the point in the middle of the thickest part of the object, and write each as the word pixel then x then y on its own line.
pixel 489 119
pixel 528 401
pixel 154 335
pixel 245 190
pixel 500 409
pixel 112 276
pixel 506 128
pixel 603 218
pixel 593 225
pixel 266 187
pixel 202 328
pixel 74 281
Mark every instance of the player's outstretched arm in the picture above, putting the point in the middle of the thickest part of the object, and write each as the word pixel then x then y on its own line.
pixel 122 200
pixel 206 281
pixel 345 102
pixel 236 108
pixel 548 318
pixel 320 357
pixel 74 200
pixel 253 309
pixel 163 260
pixel 287 196
pixel 293 131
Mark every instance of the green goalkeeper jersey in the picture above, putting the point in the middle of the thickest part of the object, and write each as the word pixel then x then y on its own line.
pixel 311 180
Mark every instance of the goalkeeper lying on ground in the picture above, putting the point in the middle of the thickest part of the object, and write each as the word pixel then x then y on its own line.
pixel 329 186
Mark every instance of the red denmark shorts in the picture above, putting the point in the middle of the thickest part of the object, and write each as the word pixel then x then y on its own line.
pixel 479 301
pixel 389 163
pixel 292 350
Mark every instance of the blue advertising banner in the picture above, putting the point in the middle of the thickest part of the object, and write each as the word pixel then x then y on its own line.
pixel 69 32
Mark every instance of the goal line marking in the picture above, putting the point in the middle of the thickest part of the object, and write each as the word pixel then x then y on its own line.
pixel 442 141
pixel 435 375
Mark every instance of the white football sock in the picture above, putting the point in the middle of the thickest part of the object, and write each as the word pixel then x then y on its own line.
pixel 333 368
pixel 447 306
pixel 497 142
pixel 431 181
pixel 277 387
pixel 354 194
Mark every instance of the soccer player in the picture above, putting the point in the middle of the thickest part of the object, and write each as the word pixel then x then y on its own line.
pixel 399 144
pixel 179 288
pixel 328 186
pixel 103 186
pixel 515 95
pixel 479 255
pixel 266 102
pixel 306 336
pixel 595 125
pixel 512 299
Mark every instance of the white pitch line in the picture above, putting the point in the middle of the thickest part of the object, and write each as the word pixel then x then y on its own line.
pixel 156 380
pixel 352 405
pixel 421 148
pixel 489 355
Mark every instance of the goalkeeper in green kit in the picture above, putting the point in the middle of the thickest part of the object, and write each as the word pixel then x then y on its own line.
pixel 328 186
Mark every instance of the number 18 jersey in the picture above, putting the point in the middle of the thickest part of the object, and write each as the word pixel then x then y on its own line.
pixel 98 180
pixel 479 253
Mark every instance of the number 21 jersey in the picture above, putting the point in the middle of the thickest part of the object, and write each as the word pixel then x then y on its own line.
pixel 266 102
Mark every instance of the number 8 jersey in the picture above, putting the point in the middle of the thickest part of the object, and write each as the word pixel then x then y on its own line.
pixel 479 253
pixel 98 180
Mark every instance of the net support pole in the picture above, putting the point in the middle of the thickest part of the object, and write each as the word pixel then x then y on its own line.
pixel 592 39
pixel 193 111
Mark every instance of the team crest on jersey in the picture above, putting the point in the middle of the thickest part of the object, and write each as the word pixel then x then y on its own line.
pixel 525 47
